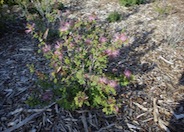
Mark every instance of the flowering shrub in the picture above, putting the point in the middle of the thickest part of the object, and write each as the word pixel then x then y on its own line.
pixel 78 60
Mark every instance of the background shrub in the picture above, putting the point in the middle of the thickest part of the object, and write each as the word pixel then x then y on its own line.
pixel 131 2
pixel 114 16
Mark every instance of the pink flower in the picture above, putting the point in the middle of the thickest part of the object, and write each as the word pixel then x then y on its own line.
pixel 127 73
pixel 64 27
pixel 103 80
pixel 115 53
pixel 108 52
pixel 113 84
pixel 103 39
pixel 88 41
pixel 30 28
pixel 58 54
pixel 92 18
pixel 116 108
pixel 71 45
pixel 112 53
pixel 122 37
pixel 46 48
pixel 58 45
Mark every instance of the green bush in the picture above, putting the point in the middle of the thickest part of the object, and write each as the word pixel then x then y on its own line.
pixel 114 16
pixel 78 61
pixel 131 2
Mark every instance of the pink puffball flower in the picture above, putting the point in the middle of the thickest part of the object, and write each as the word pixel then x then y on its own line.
pixel 113 84
pixel 88 41
pixel 46 48
pixel 103 39
pixel 103 80
pixel 58 54
pixel 116 108
pixel 30 28
pixel 64 27
pixel 92 18
pixel 108 52
pixel 122 37
pixel 115 53
pixel 127 73
pixel 112 53
pixel 58 45
pixel 71 45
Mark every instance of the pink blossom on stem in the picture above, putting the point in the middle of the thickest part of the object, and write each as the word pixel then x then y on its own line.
pixel 64 27
pixel 122 37
pixel 30 28
pixel 116 108
pixel 58 45
pixel 113 84
pixel 112 53
pixel 115 53
pixel 58 54
pixel 103 39
pixel 92 18
pixel 46 48
pixel 103 80
pixel 127 73
pixel 88 41
pixel 71 45
pixel 108 52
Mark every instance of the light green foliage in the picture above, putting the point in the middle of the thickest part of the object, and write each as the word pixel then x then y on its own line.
pixel 1 2
pixel 114 16
pixel 131 2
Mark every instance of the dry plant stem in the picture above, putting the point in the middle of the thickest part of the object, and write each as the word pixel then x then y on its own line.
pixel 155 111
pixel 171 63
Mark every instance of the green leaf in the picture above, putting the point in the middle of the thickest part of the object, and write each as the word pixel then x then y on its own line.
pixel 79 76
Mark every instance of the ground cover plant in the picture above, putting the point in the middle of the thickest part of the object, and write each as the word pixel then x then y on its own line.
pixel 78 61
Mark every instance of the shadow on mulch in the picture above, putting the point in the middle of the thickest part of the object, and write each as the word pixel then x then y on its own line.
pixel 177 120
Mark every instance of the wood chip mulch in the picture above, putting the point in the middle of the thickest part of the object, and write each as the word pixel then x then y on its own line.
pixel 153 102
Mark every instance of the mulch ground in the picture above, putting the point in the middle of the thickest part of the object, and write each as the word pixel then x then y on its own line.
pixel 153 102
